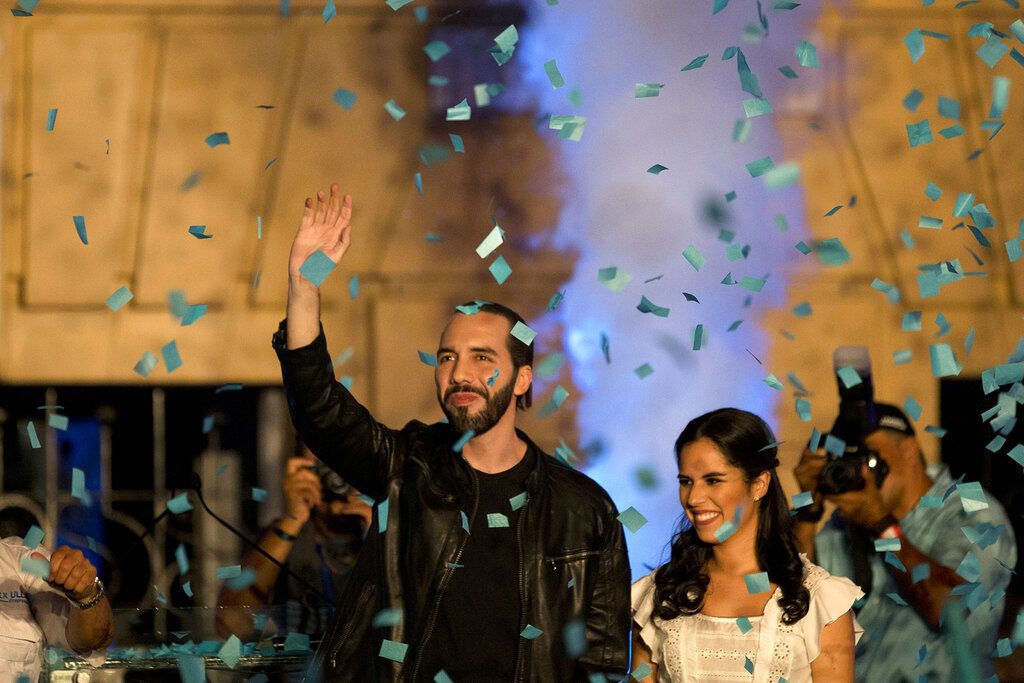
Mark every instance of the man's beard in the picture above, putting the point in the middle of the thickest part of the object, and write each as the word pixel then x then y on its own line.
pixel 496 406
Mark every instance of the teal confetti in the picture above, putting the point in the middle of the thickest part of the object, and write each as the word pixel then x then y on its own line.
pixel 317 267
pixel 145 364
pixel 392 108
pixel 460 112
pixel 51 119
pixel 554 75
pixel 915 45
pixel 393 650
pixel 329 11
pixel 463 440
pixel 199 232
pixel 119 298
pixel 345 98
pixel 807 55
pixel 642 90
pixel 757 106
pixel 179 504
pixel 647 306
pixel 214 139
pixel 949 108
pixel 919 133
pixel 632 519
pixel 760 166
pixel 773 381
pixel 531 632
pixel 172 360
pixel 693 257
pixel 932 191
pixel 913 100
pixel 656 169
pixel 644 371
pixel 34 537
pixel 992 51
pixel 757 583
pixel 428 358
pixel 457 143
pixel 436 50
pixel 80 228
pixel 523 333
pixel 785 175
pixel 496 520
pixel 695 63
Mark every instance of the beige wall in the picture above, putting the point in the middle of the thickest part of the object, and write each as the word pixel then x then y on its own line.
pixel 861 149
pixel 156 82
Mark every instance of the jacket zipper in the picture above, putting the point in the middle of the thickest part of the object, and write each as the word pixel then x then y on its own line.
pixel 363 599
pixel 520 652
pixel 432 617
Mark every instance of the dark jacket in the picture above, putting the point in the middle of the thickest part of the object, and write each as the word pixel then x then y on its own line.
pixel 573 563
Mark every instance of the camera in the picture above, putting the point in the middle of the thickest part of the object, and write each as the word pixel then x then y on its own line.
pixel 856 419
pixel 335 488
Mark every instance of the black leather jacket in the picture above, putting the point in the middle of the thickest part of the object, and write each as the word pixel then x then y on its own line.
pixel 573 563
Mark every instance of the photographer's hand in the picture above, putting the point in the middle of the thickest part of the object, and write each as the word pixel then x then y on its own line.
pixel 864 508
pixel 809 469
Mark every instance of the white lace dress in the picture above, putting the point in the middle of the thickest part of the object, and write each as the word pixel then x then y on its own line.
pixel 760 649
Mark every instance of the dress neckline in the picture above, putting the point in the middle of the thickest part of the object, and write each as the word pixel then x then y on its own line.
pixel 775 596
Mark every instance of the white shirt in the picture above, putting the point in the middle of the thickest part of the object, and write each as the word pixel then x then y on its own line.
pixel 704 648
pixel 33 614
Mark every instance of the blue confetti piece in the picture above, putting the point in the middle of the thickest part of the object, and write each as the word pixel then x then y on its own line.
pixel 912 408
pixel 296 642
pixel 172 359
pixel 179 504
pixel 887 545
pixel 807 54
pixel 531 632
pixel 258 494
pixel 78 485
pixel 496 520
pixel 382 515
pixel 417 180
pixel 34 537
pixel 643 371
pixel 420 13
pixel 181 557
pixel 500 270
pixel 317 267
pixel 33 438
pixel 696 63
pixel 214 139
pixel 919 133
pixel 436 50
pixel 393 650
pixel 802 499
pixel 35 567
pixel 463 440
pixel 353 287
pixel 118 299
pixel 757 583
pixel 915 45
pixel 932 191
pixel 427 358
pixel 192 314
pixel 460 112
pixel 641 672
pixel 519 500
pixel 392 108
pixel 51 119
pixel 345 98
pixel 913 100
pixel 943 361
pixel 145 364
pixel 397 4
pixel 246 577
pixel 59 422
pixel 693 257
pixel 80 228
pixel 191 668
pixel 389 616
pixel 992 51
pixel 457 143
pixel 441 676
pixel 329 11
pixel 744 625
pixel 632 519
pixel 229 571
pixel 199 232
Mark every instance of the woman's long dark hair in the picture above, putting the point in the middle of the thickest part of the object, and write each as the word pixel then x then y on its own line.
pixel 681 583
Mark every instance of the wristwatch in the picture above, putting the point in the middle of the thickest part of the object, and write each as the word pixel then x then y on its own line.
pixel 94 600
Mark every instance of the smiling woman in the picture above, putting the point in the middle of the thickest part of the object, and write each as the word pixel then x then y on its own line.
pixel 735 583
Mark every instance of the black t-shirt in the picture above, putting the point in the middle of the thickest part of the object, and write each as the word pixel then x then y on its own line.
pixel 477 628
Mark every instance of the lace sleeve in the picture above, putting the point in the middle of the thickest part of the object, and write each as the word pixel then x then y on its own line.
pixel 642 598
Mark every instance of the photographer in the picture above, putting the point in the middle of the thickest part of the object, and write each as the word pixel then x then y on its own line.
pixel 318 538
pixel 906 638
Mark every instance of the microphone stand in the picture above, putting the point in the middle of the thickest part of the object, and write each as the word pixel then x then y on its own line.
pixel 196 487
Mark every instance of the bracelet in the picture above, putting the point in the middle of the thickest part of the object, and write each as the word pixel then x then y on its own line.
pixel 284 535
pixel 94 600
pixel 887 527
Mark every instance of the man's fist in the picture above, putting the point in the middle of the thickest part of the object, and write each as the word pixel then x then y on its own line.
pixel 71 572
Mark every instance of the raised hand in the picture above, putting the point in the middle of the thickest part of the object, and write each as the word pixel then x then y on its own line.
pixel 325 226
